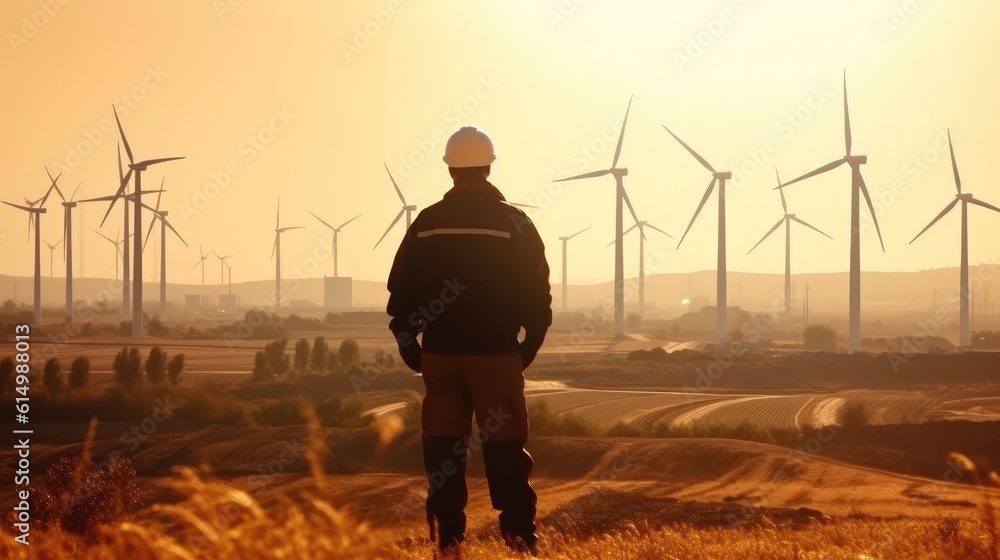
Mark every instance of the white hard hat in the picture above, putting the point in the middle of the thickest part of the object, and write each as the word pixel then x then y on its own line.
pixel 469 147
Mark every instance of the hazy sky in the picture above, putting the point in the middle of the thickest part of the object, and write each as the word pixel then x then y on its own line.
pixel 307 99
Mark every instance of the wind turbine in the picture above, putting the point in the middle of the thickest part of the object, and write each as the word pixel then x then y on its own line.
pixel 201 261
pixel 35 213
pixel 642 258
pixel 336 233
pixel 276 252
pixel 620 196
pixel 565 287
pixel 117 242
pixel 721 277
pixel 222 266
pixel 858 188
pixel 787 220
pixel 68 206
pixel 137 168
pixel 161 216
pixel 52 252
pixel 965 198
pixel 406 209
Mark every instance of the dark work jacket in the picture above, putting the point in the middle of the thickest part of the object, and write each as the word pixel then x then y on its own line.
pixel 469 273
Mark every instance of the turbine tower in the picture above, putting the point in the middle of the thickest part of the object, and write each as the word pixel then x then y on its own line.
pixel 68 206
pixel 620 196
pixel 642 258
pixel 786 220
pixel 222 267
pixel 565 286
pixel 406 209
pixel 161 216
pixel 52 252
pixel 721 281
pixel 230 268
pixel 201 261
pixel 276 252
pixel 336 233
pixel 136 168
pixel 858 188
pixel 964 337
pixel 34 214
pixel 118 247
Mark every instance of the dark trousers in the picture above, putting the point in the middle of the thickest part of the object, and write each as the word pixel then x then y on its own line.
pixel 491 387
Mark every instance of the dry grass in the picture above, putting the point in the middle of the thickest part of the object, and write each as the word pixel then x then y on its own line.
pixel 216 520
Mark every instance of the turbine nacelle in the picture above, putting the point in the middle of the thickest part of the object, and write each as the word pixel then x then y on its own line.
pixel 619 171
pixel 723 175
pixel 965 197
pixel 790 216
pixel 411 208
pixel 856 160
pixel 69 205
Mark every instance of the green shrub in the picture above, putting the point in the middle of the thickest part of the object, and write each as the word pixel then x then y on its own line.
pixel 262 368
pixel 127 368
pixel 301 355
pixel 854 413
pixel 320 356
pixel 820 337
pixel 349 353
pixel 79 372
pixel 156 365
pixel 543 422
pixel 52 377
pixel 174 368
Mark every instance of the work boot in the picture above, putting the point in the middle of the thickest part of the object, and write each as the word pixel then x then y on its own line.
pixel 519 544
pixel 508 466
pixel 447 493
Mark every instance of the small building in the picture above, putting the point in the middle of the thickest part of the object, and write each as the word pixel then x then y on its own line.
pixel 337 292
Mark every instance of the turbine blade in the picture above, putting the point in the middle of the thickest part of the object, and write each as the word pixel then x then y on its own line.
pixel 577 233
pixel 54 185
pixel 936 218
pixel 18 206
pixel 398 216
pixel 171 228
pixel 121 191
pixel 768 234
pixel 277 218
pixel 121 172
pixel 106 237
pixel 978 202
pixel 871 208
pixel 321 221
pixel 627 201
pixel 590 175
pixel 848 140
pixel 199 261
pixel 812 227
pixel 347 222
pixel 274 247
pixel 76 189
pixel 148 232
pixel 621 135
pixel 121 131
pixel 784 206
pixel 284 229
pixel 394 185
pixel 156 212
pixel 954 164
pixel 200 250
pixel 149 162
pixel 819 171
pixel 650 226
pixel 700 159
pixel 704 199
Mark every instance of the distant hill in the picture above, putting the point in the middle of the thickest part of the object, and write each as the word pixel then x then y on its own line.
pixel 885 295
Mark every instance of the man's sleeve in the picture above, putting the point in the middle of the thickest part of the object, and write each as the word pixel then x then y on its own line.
pixel 403 304
pixel 534 291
